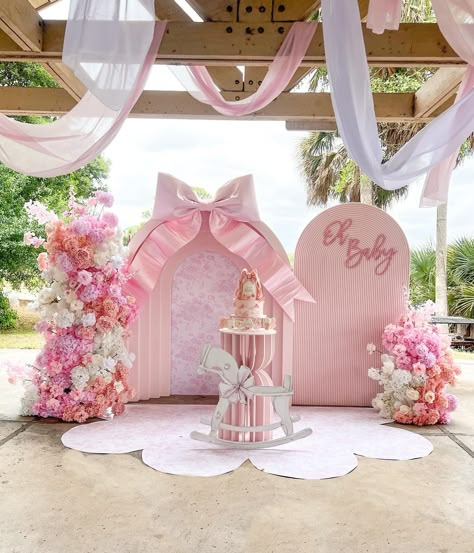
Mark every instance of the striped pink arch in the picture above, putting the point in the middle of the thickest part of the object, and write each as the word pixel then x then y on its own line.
pixel 354 260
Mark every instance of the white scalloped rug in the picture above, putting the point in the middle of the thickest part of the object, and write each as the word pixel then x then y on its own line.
pixel 162 433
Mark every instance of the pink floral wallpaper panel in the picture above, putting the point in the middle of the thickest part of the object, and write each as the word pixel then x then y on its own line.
pixel 202 293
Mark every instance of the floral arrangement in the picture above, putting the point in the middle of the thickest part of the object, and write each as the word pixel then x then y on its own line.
pixel 415 371
pixel 82 372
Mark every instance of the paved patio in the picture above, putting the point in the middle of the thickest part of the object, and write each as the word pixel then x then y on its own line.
pixel 57 500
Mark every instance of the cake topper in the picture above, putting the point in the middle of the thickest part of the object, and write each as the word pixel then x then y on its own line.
pixel 249 286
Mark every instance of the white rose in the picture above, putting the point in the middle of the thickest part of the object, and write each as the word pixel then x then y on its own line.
pixel 76 305
pixel 404 409
pixel 119 387
pixel 109 364
pixel 88 319
pixel 371 348
pixel 80 377
pixel 430 397
pixel 412 394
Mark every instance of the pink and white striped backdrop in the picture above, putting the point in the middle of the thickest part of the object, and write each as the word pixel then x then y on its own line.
pixel 354 260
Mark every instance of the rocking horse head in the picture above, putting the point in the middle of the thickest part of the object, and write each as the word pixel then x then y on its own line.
pixel 216 360
pixel 236 380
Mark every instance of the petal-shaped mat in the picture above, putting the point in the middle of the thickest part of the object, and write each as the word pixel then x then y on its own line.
pixel 162 432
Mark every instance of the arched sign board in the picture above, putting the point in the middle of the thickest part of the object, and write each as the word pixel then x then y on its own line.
pixel 354 260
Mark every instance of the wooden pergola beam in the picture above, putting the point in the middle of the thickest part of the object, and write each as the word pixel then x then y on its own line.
pixel 321 125
pixel 22 23
pixel 212 43
pixel 439 90
pixel 181 105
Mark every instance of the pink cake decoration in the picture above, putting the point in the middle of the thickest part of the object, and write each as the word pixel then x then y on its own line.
pixel 249 307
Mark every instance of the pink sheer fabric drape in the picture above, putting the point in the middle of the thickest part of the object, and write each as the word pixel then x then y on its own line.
pixel 354 109
pixel 82 134
pixel 198 82
pixel 384 14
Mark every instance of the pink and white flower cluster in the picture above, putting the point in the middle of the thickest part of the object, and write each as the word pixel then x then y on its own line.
pixel 416 371
pixel 82 372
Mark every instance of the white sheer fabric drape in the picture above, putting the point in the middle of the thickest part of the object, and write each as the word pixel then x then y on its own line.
pixel 105 44
pixel 354 109
pixel 82 134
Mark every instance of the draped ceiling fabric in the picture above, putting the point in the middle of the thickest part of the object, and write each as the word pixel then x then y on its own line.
pixel 75 139
pixel 198 82
pixel 456 20
pixel 354 109
pixel 111 45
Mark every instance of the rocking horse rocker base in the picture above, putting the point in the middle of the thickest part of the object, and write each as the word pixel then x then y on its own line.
pixel 237 386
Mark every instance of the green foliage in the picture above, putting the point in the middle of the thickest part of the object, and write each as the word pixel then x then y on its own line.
pixel 25 74
pixel 130 232
pixel 460 276
pixel 8 317
pixel 18 261
pixel 202 193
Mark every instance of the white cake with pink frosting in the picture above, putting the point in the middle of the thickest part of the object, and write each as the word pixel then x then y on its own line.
pixel 249 304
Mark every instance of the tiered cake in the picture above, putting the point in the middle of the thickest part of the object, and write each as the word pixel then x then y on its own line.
pixel 248 307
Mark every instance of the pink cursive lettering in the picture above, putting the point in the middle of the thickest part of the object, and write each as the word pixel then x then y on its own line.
pixel 379 253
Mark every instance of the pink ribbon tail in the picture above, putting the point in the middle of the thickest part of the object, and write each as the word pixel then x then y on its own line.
pixel 276 276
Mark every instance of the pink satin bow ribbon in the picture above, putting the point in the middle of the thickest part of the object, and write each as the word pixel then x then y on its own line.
pixel 176 220
pixel 238 391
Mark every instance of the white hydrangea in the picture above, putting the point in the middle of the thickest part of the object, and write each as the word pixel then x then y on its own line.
pixel 46 295
pixel 65 319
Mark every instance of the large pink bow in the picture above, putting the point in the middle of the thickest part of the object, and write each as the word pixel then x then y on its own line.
pixel 176 220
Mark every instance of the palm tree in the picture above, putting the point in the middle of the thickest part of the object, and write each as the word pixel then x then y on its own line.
pixel 460 276
pixel 330 173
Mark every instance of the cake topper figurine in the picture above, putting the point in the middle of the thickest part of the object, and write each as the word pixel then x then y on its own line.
pixel 249 286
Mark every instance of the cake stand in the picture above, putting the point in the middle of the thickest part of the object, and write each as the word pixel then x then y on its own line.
pixel 255 350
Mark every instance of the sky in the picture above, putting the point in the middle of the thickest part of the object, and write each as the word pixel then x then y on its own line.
pixel 210 153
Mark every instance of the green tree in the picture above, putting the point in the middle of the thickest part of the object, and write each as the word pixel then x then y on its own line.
pixel 18 261
pixel 460 276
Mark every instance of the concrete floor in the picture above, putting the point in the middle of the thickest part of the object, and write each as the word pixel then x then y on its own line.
pixel 57 500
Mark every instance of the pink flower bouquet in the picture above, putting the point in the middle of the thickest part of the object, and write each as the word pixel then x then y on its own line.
pixel 416 371
pixel 82 372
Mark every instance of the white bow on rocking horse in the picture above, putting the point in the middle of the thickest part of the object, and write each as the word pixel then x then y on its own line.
pixel 237 386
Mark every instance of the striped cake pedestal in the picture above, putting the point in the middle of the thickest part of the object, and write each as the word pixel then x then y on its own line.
pixel 255 350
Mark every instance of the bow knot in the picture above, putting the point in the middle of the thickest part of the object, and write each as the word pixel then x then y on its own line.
pixel 238 389
pixel 234 221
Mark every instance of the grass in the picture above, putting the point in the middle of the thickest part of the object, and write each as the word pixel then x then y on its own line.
pixel 463 354
pixel 24 335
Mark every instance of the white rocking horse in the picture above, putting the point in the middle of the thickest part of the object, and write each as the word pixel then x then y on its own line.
pixel 237 386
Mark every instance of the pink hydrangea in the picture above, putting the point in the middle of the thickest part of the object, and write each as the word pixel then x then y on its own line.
pixel 105 198
pixel 110 219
